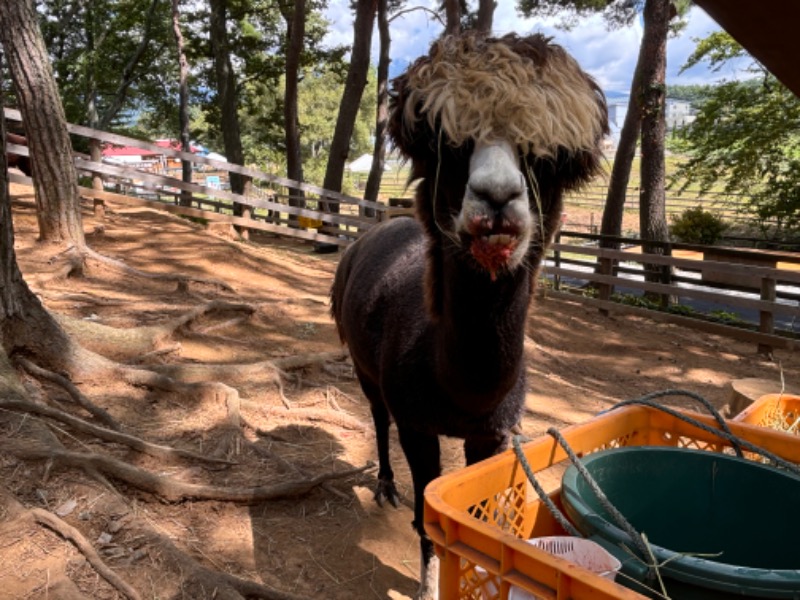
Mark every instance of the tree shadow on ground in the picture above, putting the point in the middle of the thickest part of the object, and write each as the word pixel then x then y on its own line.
pixel 336 524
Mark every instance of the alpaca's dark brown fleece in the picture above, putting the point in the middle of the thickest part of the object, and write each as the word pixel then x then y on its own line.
pixel 434 309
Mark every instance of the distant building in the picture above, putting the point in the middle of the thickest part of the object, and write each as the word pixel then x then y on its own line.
pixel 678 113
pixel 617 109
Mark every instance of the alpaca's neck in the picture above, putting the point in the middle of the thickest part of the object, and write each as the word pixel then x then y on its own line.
pixel 481 330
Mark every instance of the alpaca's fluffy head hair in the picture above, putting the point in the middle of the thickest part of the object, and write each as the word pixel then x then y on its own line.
pixel 521 89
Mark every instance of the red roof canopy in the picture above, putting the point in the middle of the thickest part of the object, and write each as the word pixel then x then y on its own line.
pixel 112 150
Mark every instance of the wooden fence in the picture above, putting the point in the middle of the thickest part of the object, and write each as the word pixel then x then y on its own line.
pixel 577 267
pixel 755 295
pixel 276 204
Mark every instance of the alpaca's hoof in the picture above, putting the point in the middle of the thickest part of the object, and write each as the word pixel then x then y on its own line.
pixel 386 490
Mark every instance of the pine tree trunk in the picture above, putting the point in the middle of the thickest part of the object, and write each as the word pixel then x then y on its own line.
pixel 54 175
pixel 351 97
pixel 485 15
pixel 623 160
pixel 382 113
pixel 295 23
pixel 452 12
pixel 183 102
pixel 24 322
pixel 227 97
pixel 652 195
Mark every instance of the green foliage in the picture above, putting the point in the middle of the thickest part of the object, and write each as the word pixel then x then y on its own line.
pixel 616 13
pixel 746 141
pixel 696 94
pixel 634 300
pixel 726 317
pixel 697 226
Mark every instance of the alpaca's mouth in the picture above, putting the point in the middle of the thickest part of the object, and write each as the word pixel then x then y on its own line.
pixel 494 252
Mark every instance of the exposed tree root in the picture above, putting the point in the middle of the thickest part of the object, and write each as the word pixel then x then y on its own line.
pixel 68 532
pixel 133 442
pixel 168 488
pixel 72 261
pixel 15 512
pixel 126 344
pixel 202 583
pixel 331 417
pixel 97 412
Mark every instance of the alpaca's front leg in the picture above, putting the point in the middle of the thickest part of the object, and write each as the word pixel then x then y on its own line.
pixel 386 489
pixel 422 454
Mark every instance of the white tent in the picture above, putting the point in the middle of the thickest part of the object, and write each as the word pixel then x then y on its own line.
pixel 216 156
pixel 362 164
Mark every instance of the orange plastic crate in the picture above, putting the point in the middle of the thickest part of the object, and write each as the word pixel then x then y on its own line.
pixel 776 411
pixel 479 517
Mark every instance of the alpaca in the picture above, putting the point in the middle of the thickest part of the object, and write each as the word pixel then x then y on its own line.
pixel 433 309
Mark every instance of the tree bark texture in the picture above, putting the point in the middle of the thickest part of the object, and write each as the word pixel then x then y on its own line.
pixel 623 159
pixel 183 102
pixel 351 98
pixel 295 16
pixel 54 175
pixel 382 112
pixel 24 322
pixel 485 15
pixel 228 99
pixel 652 195
pixel 452 15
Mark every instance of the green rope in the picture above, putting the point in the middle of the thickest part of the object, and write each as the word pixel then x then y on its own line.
pixel 557 514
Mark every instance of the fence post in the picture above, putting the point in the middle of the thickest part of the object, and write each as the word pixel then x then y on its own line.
pixel 767 317
pixel 604 290
pixel 557 262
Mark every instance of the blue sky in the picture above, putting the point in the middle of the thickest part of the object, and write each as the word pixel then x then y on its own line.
pixel 609 56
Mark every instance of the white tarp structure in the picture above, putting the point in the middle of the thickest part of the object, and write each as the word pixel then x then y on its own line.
pixel 362 164
pixel 216 156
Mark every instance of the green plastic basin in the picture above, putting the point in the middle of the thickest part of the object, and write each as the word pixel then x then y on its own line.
pixel 696 502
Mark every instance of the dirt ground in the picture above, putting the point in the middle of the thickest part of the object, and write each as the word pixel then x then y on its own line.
pixel 331 542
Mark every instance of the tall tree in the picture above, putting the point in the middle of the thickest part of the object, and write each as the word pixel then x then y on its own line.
pixel 382 112
pixel 228 98
pixel 485 15
pixel 54 175
pixel 452 16
pixel 652 196
pixel 19 306
pixel 183 101
pixel 295 15
pixel 24 322
pixel 617 192
pixel 351 98
pixel 649 78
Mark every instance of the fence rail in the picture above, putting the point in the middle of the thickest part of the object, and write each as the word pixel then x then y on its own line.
pixel 746 294
pixel 762 286
pixel 277 204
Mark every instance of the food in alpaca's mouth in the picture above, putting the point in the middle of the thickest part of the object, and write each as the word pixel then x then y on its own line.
pixel 493 252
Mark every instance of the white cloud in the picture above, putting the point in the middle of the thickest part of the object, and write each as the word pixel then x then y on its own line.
pixel 608 55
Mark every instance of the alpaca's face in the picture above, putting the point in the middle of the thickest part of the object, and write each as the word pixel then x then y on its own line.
pixel 495 222
pixel 497 129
